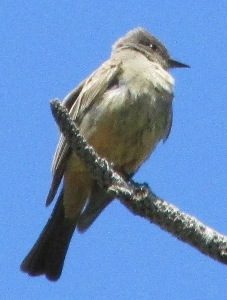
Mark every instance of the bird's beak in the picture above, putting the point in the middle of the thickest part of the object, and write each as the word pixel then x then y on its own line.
pixel 176 64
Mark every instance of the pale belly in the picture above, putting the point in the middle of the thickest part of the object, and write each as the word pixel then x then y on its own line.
pixel 125 130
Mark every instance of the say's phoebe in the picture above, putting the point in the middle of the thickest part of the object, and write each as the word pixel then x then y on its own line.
pixel 123 109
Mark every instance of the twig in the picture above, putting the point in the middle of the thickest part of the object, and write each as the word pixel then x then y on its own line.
pixel 140 199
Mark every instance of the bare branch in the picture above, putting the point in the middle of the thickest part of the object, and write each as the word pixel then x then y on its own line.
pixel 140 199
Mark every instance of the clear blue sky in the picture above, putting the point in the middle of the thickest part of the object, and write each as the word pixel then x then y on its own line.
pixel 47 47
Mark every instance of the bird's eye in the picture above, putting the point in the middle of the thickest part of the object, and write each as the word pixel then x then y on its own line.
pixel 154 47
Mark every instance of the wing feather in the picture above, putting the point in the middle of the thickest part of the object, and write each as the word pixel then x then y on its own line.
pixel 78 102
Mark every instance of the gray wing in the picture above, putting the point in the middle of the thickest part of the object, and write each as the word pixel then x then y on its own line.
pixel 77 102
pixel 169 119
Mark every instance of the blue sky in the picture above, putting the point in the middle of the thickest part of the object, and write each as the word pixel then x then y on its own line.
pixel 47 47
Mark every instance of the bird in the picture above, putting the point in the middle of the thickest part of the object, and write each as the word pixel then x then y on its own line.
pixel 123 109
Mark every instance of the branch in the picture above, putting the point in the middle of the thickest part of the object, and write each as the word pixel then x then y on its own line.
pixel 139 198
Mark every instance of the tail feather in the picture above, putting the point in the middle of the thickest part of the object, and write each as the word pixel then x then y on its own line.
pixel 48 254
pixel 97 203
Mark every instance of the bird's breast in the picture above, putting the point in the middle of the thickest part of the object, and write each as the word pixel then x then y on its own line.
pixel 128 122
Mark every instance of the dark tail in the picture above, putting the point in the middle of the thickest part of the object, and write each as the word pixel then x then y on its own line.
pixel 48 254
